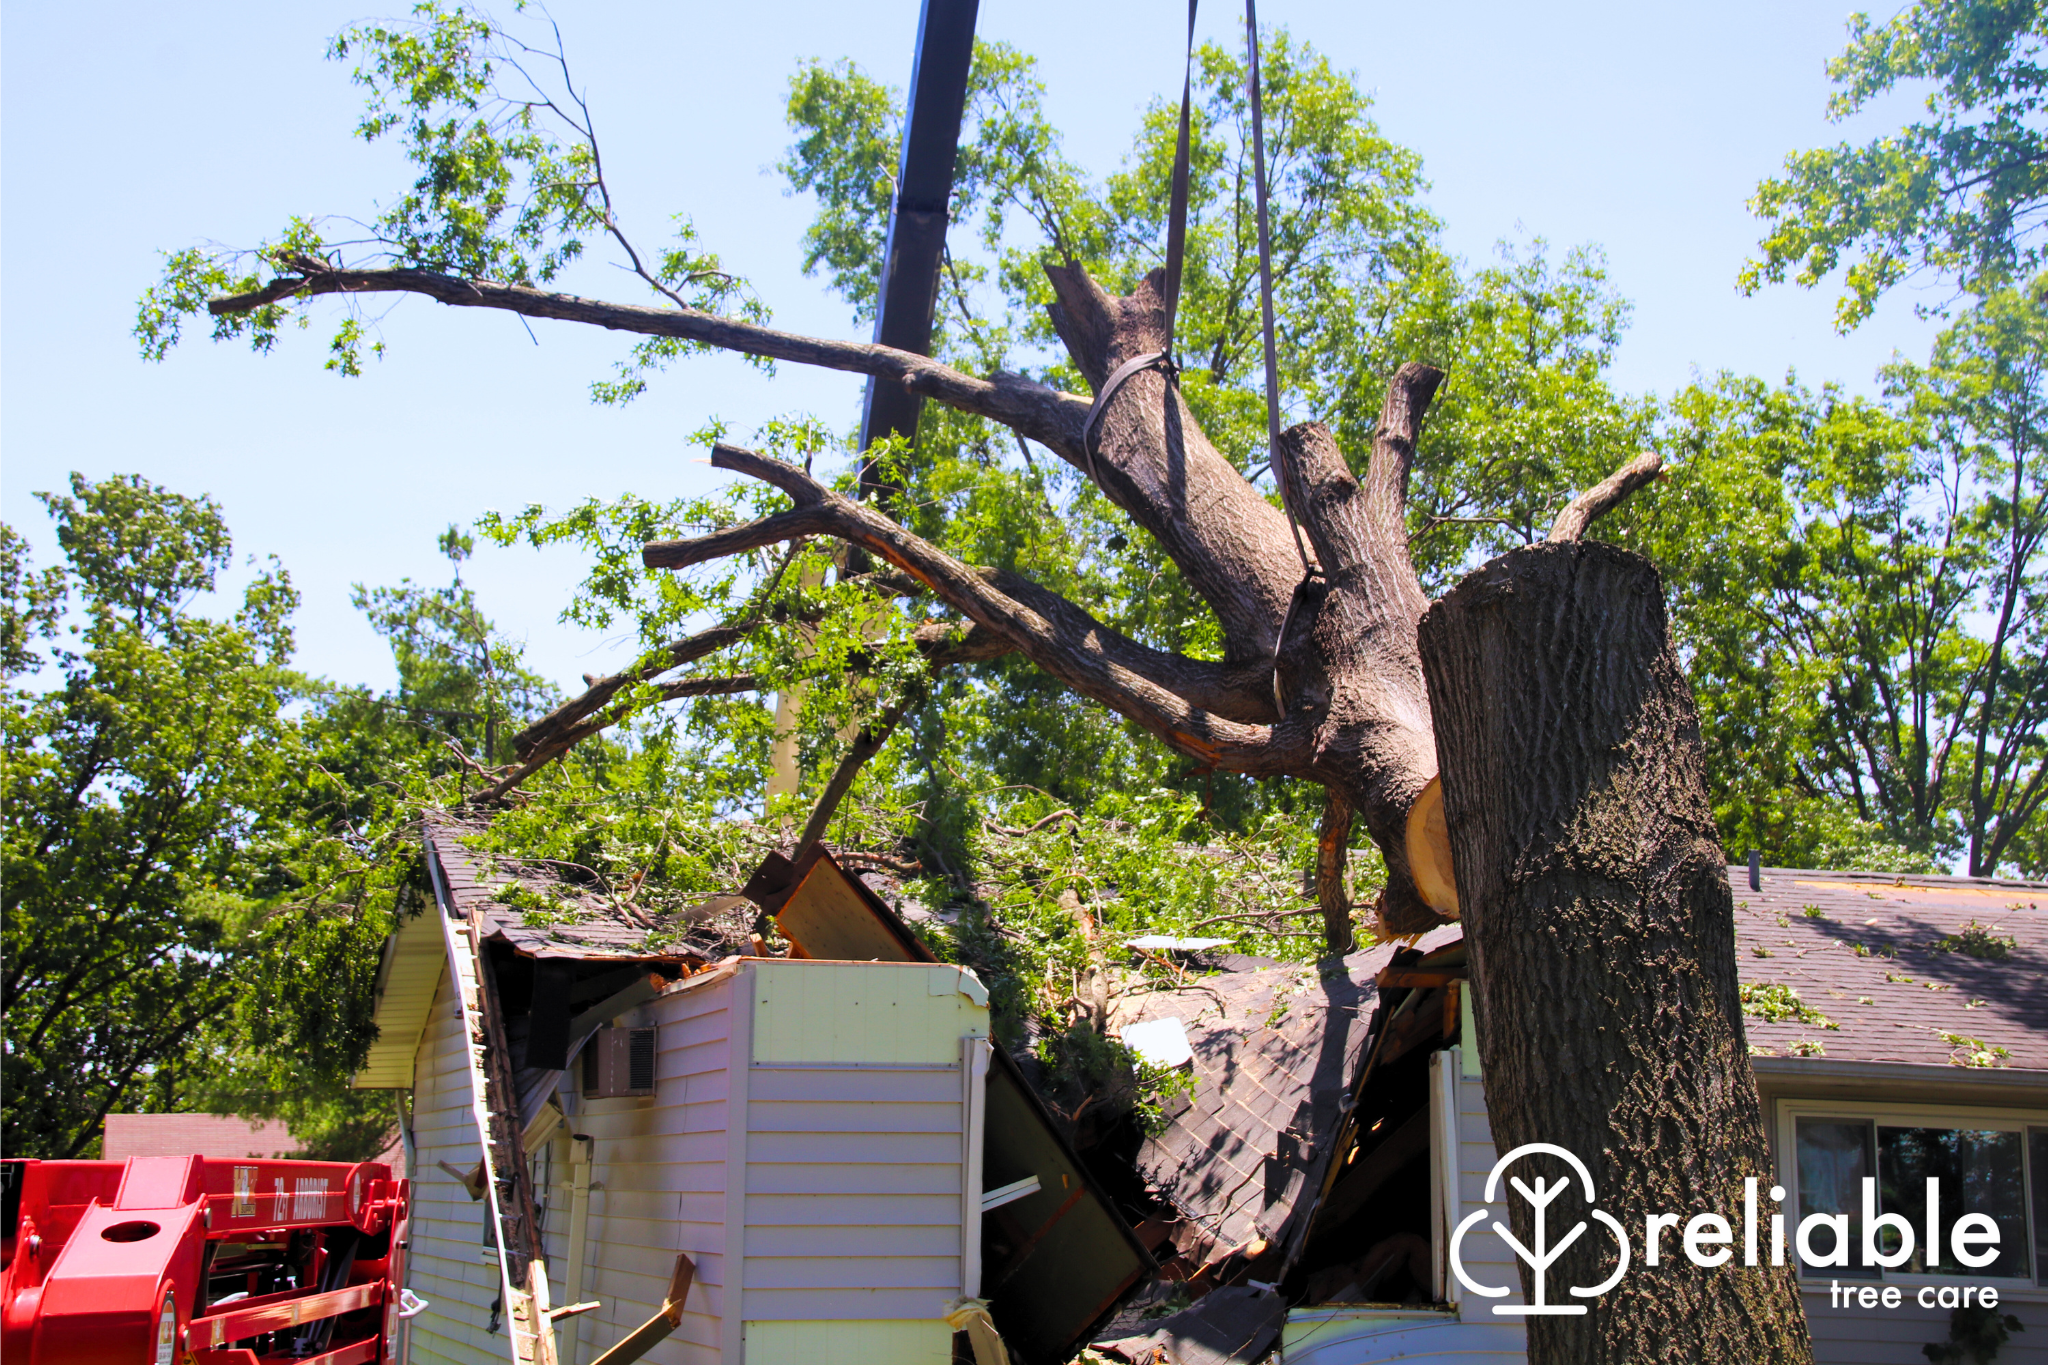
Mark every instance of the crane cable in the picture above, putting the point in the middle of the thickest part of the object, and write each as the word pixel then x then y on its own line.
pixel 1283 472
pixel 1176 244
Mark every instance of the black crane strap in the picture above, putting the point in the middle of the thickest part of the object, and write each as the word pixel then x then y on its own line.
pixel 1283 473
pixel 1176 248
pixel 1176 243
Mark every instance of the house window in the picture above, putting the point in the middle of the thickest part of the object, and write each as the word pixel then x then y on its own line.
pixel 1992 1164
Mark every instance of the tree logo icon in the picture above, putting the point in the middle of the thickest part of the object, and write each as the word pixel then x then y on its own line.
pixel 1544 1253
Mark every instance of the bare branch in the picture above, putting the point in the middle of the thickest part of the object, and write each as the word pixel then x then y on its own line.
pixel 601 690
pixel 865 746
pixel 563 740
pixel 1603 497
pixel 801 488
pixel 1333 848
pixel 1393 448
pixel 1003 829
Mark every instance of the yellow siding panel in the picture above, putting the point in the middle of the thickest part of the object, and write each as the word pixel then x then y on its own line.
pixel 901 1014
pixel 881 1342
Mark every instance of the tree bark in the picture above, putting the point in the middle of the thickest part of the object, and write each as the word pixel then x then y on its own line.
pixel 1601 929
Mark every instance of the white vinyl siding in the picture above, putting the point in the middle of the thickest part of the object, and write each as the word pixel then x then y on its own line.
pixel 840 1197
pixel 449 1263
pixel 853 1192
pixel 658 1176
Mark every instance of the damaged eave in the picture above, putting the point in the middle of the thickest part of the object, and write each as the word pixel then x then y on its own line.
pixel 1061 1257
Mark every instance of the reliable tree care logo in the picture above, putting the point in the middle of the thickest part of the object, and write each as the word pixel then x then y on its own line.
pixel 1708 1239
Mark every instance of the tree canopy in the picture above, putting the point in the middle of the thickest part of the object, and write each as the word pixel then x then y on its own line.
pixel 1955 195
pixel 1856 580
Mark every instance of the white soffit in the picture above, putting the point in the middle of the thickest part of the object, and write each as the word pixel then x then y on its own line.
pixel 406 982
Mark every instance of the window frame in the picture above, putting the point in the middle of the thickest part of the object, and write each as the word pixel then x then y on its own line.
pixel 1880 1113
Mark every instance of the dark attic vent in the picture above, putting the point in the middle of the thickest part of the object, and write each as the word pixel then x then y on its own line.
pixel 619 1062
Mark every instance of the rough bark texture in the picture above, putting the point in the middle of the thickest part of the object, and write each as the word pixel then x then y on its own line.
pixel 1361 683
pixel 1601 928
pixel 1156 463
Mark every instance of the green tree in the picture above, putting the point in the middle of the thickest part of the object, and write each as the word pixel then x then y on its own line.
pixel 1118 560
pixel 1957 194
pixel 1152 577
pixel 143 796
pixel 1858 585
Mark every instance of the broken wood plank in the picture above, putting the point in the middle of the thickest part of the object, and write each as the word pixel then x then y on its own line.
pixel 656 1329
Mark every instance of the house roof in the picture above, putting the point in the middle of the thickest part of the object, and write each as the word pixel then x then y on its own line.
pixel 575 917
pixel 1276 1049
pixel 214 1135
pixel 1879 957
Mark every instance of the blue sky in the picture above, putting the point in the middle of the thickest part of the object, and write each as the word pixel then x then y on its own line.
pixel 131 129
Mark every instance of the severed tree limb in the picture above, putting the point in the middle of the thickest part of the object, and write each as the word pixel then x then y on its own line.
pixel 969 646
pixel 942 644
pixel 571 713
pixel 1156 463
pixel 1123 675
pixel 865 746
pixel 562 741
pixel 1357 668
pixel 1603 497
pixel 1333 849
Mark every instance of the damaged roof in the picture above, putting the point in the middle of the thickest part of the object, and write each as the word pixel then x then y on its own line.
pixel 1276 1049
pixel 545 909
pixel 1895 968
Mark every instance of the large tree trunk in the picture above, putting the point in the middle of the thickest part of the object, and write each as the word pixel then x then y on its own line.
pixel 1597 907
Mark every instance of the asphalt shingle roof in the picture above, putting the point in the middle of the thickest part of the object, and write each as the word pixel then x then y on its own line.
pixel 1876 955
pixel 1276 1049
pixel 579 921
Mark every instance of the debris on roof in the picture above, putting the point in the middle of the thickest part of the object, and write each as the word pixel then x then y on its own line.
pixel 1167 943
pixel 1869 967
pixel 1235 1323
pixel 543 909
pixel 1162 1042
pixel 1275 1049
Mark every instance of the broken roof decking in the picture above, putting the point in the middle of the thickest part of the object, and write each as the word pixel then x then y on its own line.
pixel 1894 1004
pixel 1268 1090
